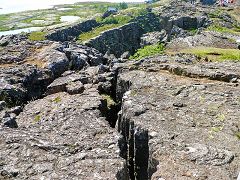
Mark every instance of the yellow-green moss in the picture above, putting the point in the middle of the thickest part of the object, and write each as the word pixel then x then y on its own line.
pixel 37 36
pixel 214 54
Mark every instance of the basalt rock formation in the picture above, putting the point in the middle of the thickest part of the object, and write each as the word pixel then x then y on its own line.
pixel 69 112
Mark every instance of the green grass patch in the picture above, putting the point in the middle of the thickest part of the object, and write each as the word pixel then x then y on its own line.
pixel 85 10
pixel 237 134
pixel 96 31
pixel 193 31
pixel 215 13
pixel 37 118
pixel 57 99
pixel 214 54
pixel 221 29
pixel 147 51
pixel 37 36
pixel 110 101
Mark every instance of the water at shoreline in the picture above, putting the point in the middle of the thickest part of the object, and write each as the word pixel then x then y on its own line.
pixel 17 31
pixel 13 6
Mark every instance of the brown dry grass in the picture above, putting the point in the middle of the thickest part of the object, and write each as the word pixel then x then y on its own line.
pixel 34 60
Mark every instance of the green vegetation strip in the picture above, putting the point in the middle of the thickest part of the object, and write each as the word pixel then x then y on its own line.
pixel 215 54
pixel 95 32
pixel 221 29
pixel 147 51
pixel 37 36
pixel 113 21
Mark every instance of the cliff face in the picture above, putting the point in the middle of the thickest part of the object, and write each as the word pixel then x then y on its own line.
pixel 117 41
pixel 66 34
pixel 128 37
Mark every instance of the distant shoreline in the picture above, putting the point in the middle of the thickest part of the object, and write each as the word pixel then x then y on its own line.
pixel 26 6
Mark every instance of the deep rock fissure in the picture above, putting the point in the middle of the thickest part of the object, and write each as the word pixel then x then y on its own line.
pixel 134 144
pixel 134 148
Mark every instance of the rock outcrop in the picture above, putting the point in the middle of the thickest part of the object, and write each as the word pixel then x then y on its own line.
pixel 118 40
pixel 204 39
pixel 128 37
pixel 69 33
pixel 177 127
pixel 62 136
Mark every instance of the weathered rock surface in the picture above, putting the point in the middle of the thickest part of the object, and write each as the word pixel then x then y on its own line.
pixel 62 136
pixel 17 48
pixel 177 127
pixel 29 79
pixel 21 83
pixel 205 39
pixel 153 38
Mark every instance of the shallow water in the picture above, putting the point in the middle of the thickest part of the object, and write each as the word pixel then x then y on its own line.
pixel 64 9
pixel 69 18
pixel 11 6
pixel 17 31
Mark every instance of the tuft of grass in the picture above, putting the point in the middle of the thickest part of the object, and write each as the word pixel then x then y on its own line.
pixel 37 118
pixel 221 117
pixel 222 29
pixel 193 31
pixel 57 99
pixel 216 129
pixel 214 54
pixel 37 36
pixel 110 101
pixel 237 134
pixel 147 51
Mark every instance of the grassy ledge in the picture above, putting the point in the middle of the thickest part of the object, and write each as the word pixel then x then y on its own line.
pixel 147 51
pixel 37 36
pixel 214 54
pixel 221 29
pixel 96 31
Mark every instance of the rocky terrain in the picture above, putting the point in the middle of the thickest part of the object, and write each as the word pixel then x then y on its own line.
pixel 74 111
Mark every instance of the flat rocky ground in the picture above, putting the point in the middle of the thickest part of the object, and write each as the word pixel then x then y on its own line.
pixel 189 121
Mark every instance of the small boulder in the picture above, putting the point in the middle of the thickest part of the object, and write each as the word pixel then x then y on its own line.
pixel 153 38
pixel 3 105
pixel 10 121
pixel 125 55
pixel 4 41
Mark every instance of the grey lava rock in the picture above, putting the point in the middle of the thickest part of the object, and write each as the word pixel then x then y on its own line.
pixel 154 38
pixel 125 55
pixel 9 122
pixel 4 41
pixel 59 84
pixel 206 39
pixel 75 87
pixel 54 60
pixel 62 136
pixel 177 127
pixel 3 105
pixel 118 40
